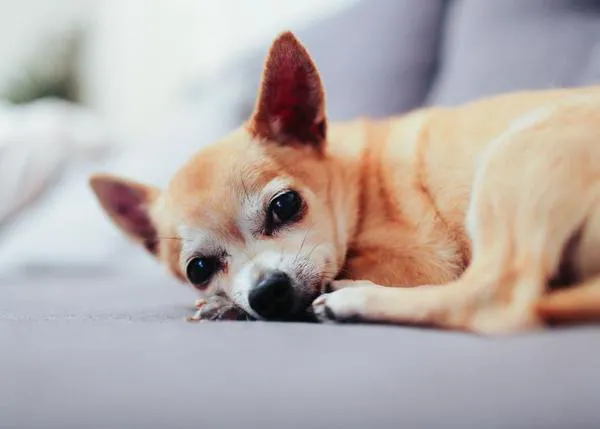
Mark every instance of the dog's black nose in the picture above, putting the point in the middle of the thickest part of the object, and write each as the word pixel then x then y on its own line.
pixel 273 296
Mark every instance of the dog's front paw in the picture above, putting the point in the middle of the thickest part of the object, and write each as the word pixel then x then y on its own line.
pixel 217 308
pixel 345 305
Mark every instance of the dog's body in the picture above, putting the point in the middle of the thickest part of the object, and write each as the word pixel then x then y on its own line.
pixel 428 178
pixel 481 206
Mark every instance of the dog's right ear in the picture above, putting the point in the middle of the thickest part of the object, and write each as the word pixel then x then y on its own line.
pixel 128 205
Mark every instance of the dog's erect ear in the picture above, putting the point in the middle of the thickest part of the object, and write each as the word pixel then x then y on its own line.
pixel 128 204
pixel 291 101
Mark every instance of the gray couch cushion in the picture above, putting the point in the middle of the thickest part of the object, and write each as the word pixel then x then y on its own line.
pixel 377 58
pixel 492 47
pixel 116 353
pixel 108 353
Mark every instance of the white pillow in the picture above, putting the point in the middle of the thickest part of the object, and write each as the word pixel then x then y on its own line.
pixel 37 141
pixel 69 232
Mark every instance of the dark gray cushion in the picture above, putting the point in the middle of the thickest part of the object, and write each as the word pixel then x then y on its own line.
pixel 492 47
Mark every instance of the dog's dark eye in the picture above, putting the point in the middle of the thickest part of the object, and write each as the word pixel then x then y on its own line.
pixel 285 207
pixel 200 270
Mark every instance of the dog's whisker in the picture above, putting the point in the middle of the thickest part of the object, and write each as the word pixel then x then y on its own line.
pixel 313 249
pixel 301 245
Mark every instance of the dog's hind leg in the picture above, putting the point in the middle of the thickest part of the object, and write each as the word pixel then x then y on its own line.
pixel 579 301
pixel 534 190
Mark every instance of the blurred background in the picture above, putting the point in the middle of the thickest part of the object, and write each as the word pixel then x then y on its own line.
pixel 134 61
pixel 135 86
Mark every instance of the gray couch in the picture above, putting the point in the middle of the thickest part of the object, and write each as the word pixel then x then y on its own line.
pixel 94 350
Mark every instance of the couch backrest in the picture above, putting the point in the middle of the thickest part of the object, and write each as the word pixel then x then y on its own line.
pixel 490 47
pixel 385 57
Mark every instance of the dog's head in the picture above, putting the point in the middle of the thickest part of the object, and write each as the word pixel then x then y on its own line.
pixel 252 216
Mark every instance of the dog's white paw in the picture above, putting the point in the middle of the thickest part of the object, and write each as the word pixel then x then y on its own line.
pixel 345 305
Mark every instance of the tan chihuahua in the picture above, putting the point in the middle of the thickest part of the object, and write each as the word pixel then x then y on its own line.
pixel 484 217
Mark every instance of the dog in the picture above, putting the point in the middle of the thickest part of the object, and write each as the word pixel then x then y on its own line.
pixel 482 218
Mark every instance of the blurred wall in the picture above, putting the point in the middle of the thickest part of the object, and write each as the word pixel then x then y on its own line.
pixel 30 28
pixel 141 56
pixel 144 54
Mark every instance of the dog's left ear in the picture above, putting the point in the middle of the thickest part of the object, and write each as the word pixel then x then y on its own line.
pixel 291 101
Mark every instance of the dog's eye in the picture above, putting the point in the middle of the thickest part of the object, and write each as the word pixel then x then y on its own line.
pixel 200 270
pixel 285 207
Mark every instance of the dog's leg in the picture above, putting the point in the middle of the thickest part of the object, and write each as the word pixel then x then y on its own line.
pixel 369 302
pixel 580 303
pixel 533 191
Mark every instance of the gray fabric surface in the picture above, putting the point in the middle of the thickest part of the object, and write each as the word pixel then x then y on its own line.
pixel 492 47
pixel 115 354
pixel 102 352
pixel 377 58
